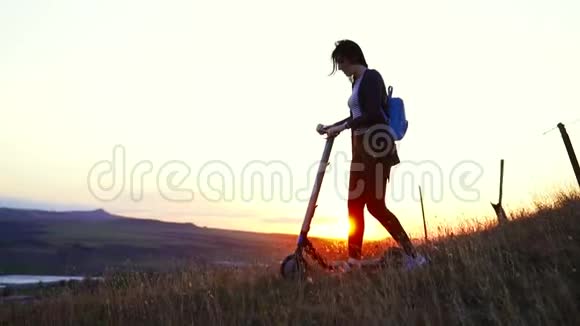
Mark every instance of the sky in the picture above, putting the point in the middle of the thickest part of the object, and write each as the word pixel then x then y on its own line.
pixel 175 109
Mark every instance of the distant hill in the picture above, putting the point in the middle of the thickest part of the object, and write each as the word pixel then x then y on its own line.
pixel 40 241
pixel 23 214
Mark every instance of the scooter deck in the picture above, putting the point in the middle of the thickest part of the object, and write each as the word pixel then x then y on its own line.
pixel 393 257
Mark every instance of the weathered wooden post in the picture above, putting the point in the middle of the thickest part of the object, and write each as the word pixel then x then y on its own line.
pixel 423 212
pixel 499 211
pixel 570 151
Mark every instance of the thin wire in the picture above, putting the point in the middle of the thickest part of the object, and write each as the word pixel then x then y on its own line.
pixel 545 132
pixel 518 144
pixel 567 123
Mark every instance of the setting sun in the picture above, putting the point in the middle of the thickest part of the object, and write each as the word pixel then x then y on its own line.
pixel 338 227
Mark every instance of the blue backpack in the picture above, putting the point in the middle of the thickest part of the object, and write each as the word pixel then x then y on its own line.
pixel 394 109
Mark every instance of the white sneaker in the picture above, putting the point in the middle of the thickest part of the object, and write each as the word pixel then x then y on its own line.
pixel 354 263
pixel 348 265
pixel 410 262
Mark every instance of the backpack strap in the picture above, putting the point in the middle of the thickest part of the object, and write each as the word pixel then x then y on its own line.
pixel 386 104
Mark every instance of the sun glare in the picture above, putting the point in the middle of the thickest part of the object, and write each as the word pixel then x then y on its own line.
pixel 332 228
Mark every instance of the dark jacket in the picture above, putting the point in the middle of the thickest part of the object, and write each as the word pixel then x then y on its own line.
pixel 372 95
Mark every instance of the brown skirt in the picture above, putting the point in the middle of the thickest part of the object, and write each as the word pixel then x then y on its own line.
pixel 375 147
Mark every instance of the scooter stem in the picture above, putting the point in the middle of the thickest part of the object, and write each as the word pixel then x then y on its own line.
pixel 316 190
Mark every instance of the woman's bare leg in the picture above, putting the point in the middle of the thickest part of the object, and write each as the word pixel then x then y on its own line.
pixel 377 181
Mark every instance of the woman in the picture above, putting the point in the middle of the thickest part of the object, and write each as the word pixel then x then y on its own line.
pixel 373 153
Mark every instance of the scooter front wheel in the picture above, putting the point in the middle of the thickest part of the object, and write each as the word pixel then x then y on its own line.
pixel 293 267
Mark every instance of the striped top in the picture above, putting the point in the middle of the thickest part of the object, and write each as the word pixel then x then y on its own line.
pixel 354 105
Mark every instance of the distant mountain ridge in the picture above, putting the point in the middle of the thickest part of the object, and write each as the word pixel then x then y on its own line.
pixel 34 241
pixel 38 214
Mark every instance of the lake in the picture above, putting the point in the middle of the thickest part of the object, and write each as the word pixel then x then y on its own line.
pixel 31 280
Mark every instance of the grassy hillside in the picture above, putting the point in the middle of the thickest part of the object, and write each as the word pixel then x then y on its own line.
pixel 524 273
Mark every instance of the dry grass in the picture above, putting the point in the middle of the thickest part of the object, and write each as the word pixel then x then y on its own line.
pixel 524 273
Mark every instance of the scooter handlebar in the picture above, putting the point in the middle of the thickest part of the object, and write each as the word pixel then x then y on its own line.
pixel 321 129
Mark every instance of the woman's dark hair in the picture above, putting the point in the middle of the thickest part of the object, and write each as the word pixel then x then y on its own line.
pixel 347 49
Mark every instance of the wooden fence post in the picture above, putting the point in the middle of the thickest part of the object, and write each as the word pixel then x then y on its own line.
pixel 570 151
pixel 499 211
pixel 423 212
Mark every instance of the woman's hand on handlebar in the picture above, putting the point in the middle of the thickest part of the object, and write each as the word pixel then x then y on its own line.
pixel 335 130
pixel 321 129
